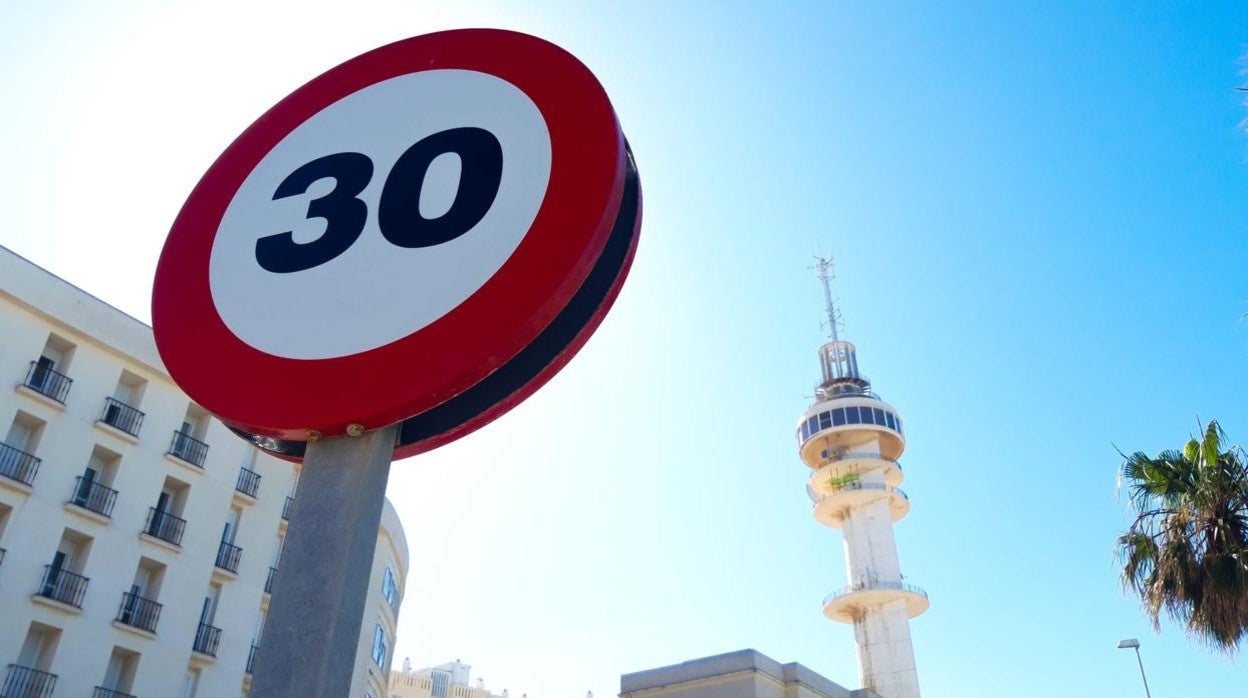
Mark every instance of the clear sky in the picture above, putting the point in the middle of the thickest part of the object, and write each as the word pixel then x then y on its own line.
pixel 1039 220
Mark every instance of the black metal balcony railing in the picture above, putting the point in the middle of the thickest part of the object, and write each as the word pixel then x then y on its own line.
pixel 290 502
pixel 101 692
pixel 248 482
pixel 268 582
pixel 119 415
pixel 17 464
pixel 25 682
pixel 251 658
pixel 206 640
pixel 228 556
pixel 188 448
pixel 165 526
pixel 59 584
pixel 138 612
pixel 47 382
pixel 93 496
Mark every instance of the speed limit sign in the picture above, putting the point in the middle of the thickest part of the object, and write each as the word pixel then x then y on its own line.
pixel 424 234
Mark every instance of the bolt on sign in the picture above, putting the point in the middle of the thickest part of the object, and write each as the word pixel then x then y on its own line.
pixel 424 234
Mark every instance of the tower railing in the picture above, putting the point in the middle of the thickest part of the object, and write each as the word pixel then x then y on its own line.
pixel 873 586
pixel 859 485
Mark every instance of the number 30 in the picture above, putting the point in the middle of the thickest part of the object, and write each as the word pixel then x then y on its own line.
pixel 398 209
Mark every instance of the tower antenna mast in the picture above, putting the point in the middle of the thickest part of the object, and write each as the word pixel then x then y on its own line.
pixel 825 270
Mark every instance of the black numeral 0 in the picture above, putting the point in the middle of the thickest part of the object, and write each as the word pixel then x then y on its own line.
pixel 398 214
pixel 481 159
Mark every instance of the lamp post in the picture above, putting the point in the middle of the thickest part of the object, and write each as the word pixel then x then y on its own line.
pixel 1132 643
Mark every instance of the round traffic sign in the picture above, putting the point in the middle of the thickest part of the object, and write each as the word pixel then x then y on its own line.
pixel 425 233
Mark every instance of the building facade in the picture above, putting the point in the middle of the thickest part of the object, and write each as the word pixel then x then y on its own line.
pixel 741 674
pixel 449 680
pixel 138 535
pixel 851 440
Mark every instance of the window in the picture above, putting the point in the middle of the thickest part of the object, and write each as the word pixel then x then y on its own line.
pixel 891 423
pixel 852 416
pixel 47 373
pixel 390 589
pixel 91 489
pixel 879 416
pixel 825 420
pixel 838 417
pixel 164 520
pixel 379 647
pixel 121 409
pixel 39 648
pixel 441 681
pixel 119 675
pixel 62 578
pixel 17 460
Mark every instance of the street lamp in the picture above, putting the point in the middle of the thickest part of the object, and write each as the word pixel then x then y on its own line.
pixel 1134 644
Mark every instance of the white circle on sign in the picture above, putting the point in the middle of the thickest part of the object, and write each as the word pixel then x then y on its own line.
pixel 376 292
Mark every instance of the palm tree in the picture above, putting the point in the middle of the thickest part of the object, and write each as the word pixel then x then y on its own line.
pixel 1187 551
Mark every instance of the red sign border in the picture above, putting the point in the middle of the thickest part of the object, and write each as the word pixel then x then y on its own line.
pixel 283 398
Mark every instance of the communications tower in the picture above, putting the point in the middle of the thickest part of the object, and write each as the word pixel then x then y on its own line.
pixel 852 440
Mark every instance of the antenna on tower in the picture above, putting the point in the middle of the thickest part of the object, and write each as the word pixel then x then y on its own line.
pixel 825 270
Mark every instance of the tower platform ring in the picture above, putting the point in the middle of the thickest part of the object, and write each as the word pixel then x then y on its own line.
pixel 832 509
pixel 848 604
pixel 848 464
pixel 847 424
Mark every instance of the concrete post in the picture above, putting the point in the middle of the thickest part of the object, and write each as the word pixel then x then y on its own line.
pixel 309 642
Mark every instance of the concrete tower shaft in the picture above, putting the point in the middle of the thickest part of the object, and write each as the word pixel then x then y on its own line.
pixel 852 440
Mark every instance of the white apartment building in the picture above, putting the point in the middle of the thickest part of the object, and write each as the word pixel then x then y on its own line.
pixel 138 535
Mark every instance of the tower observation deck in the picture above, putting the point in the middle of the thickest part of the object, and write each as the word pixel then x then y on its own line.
pixel 851 440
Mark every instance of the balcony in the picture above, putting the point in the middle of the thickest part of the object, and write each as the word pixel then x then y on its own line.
pixel 48 383
pixel 62 585
pixel 248 482
pixel 846 605
pixel 18 465
pixel 93 496
pixel 101 692
pixel 251 658
pixel 138 612
pixel 228 556
pixel 165 526
pixel 845 499
pixel 25 682
pixel 187 448
pixel 290 503
pixel 121 416
pixel 268 582
pixel 206 640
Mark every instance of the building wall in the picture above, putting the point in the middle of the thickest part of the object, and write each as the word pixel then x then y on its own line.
pixel 371 678
pixel 453 682
pixel 34 518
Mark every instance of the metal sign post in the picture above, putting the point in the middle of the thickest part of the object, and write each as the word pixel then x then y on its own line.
pixel 391 257
pixel 312 633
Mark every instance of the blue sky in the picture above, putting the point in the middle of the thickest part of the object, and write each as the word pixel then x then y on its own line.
pixel 1038 216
